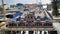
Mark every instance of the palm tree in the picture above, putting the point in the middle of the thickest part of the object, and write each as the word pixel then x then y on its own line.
pixel 3 10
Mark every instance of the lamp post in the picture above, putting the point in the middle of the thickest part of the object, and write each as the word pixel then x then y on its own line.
pixel 4 10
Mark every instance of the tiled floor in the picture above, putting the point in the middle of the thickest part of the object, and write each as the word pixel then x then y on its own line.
pixel 57 26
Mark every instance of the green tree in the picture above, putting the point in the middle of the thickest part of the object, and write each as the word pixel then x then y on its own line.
pixel 55 8
pixel 18 4
pixel 12 6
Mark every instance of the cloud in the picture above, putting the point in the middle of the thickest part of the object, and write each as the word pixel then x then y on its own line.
pixel 46 1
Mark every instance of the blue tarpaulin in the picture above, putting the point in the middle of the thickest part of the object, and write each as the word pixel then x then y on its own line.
pixel 14 15
pixel 9 16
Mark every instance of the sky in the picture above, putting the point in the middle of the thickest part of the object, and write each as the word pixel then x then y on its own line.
pixel 25 1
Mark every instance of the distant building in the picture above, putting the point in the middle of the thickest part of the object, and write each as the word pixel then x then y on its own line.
pixel 20 6
pixel 30 5
pixel 40 5
pixel 6 6
pixel 12 6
